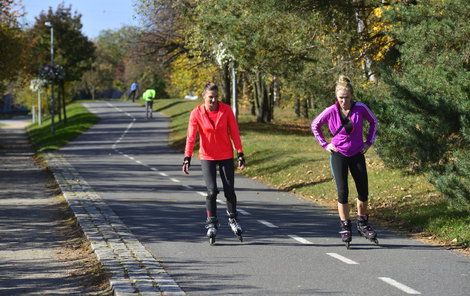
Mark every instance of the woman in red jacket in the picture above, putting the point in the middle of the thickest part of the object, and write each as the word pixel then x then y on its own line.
pixel 218 129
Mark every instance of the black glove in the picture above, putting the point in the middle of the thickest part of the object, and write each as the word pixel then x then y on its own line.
pixel 186 164
pixel 241 160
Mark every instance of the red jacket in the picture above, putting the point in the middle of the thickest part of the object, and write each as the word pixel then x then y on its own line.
pixel 215 141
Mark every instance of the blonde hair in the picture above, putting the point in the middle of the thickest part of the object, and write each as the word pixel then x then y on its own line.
pixel 344 83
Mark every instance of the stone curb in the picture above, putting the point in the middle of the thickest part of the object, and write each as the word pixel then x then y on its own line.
pixel 132 269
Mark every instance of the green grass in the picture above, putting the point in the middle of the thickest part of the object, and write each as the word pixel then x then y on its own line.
pixel 286 156
pixel 78 121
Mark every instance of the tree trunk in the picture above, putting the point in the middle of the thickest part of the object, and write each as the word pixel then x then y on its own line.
pixel 297 107
pixel 226 83
pixel 59 103
pixel 64 105
pixel 276 92
pixel 305 108
pixel 361 29
pixel 234 91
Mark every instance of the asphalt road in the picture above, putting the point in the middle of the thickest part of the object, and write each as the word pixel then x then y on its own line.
pixel 291 246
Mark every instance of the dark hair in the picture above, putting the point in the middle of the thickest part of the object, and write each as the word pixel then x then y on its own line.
pixel 210 86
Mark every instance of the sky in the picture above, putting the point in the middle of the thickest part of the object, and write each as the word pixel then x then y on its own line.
pixel 97 15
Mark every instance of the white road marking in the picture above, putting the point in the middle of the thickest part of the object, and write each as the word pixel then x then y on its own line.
pixel 154 169
pixel 400 286
pixel 202 193
pixel 220 201
pixel 139 162
pixel 175 180
pixel 300 239
pixel 268 224
pixel 163 174
pixel 187 186
pixel 342 258
pixel 243 212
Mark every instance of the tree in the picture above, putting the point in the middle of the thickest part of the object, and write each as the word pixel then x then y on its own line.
pixel 73 51
pixel 12 43
pixel 426 113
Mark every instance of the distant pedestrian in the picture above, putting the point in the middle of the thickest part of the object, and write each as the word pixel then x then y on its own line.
pixel 218 136
pixel 148 97
pixel 345 121
pixel 134 91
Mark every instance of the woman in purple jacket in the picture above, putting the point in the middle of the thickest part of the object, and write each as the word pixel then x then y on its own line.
pixel 345 121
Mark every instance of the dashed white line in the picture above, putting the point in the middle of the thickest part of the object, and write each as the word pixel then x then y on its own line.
pixel 187 186
pixel 154 169
pixel 175 180
pixel 243 212
pixel 220 201
pixel 342 258
pixel 268 224
pixel 163 174
pixel 139 162
pixel 400 286
pixel 300 239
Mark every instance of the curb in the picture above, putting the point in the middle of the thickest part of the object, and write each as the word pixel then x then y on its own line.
pixel 132 269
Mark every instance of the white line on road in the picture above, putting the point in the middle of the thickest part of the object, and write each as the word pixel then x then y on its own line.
pixel 300 239
pixel 154 169
pixel 220 201
pixel 163 174
pixel 175 180
pixel 400 286
pixel 243 212
pixel 187 186
pixel 268 224
pixel 342 258
pixel 139 162
pixel 201 193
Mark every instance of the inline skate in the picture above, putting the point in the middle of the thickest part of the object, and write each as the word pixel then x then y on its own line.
pixel 345 232
pixel 212 224
pixel 235 227
pixel 365 230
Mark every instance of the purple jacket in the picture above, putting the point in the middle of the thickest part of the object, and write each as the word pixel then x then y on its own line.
pixel 348 145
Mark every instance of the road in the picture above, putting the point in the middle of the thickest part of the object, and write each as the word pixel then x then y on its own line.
pixel 291 246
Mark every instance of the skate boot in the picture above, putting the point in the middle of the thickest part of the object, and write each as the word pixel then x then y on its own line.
pixel 345 232
pixel 212 224
pixel 235 227
pixel 365 230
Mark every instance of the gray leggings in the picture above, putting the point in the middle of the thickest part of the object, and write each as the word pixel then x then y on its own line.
pixel 226 171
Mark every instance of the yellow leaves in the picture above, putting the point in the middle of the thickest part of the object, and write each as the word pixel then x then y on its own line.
pixel 189 75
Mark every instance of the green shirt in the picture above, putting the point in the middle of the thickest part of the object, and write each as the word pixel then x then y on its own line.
pixel 149 95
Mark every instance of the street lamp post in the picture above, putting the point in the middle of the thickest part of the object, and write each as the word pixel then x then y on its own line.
pixel 49 24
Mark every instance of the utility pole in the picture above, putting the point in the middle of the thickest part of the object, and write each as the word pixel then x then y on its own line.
pixel 49 24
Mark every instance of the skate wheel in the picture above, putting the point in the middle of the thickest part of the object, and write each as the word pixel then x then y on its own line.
pixel 375 241
pixel 240 238
pixel 212 240
pixel 347 245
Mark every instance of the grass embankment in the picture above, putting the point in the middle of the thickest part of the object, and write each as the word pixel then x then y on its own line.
pixel 286 156
pixel 78 121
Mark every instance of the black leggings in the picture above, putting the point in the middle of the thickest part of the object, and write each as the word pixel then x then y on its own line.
pixel 227 174
pixel 357 165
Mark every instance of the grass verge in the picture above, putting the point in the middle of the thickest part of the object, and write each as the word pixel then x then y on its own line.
pixel 78 121
pixel 286 156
